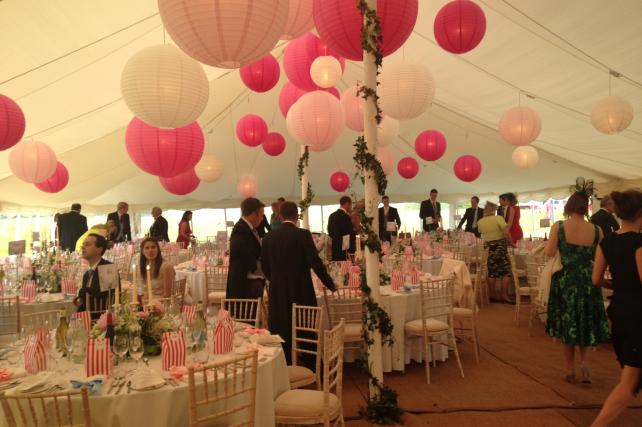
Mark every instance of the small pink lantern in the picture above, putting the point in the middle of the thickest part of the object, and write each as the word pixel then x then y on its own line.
pixel 353 105
pixel 430 145
pixel 291 94
pixel 251 130
pixel 299 19
pixel 262 75
pixel 460 26
pixel 385 158
pixel 299 55
pixel 467 168
pixel 316 120
pixel 339 24
pixel 247 187
pixel 181 184
pixel 32 161
pixel 520 125
pixel 274 144
pixel 339 181
pixel 408 167
pixel 12 123
pixel 57 182
pixel 164 152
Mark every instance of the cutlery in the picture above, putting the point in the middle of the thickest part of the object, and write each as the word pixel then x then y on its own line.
pixel 113 384
pixel 120 386
pixel 129 387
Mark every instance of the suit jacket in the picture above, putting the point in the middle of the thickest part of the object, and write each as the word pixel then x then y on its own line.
pixel 245 252
pixel 426 211
pixel 393 215
pixel 127 231
pixel 606 221
pixel 469 218
pixel 158 229
pixel 263 227
pixel 91 286
pixel 339 225
pixel 72 225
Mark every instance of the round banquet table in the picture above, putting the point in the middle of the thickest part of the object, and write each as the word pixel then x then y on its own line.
pixel 195 286
pixel 47 303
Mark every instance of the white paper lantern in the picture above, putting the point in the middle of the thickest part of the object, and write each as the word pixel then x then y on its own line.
pixel 316 120
pixel 209 168
pixel 525 157
pixel 353 104
pixel 520 125
pixel 385 158
pixel 300 19
pixel 612 115
pixel 387 131
pixel 406 90
pixel 326 71
pixel 164 87
pixel 247 187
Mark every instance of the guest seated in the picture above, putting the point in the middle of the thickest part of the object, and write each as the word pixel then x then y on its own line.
pixel 93 249
pixel 162 272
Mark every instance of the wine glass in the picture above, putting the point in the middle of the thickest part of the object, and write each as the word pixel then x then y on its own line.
pixel 136 348
pixel 121 345
pixel 48 286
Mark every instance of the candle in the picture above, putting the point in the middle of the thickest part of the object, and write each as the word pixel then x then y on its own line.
pixel 149 285
pixel 117 296
pixel 134 289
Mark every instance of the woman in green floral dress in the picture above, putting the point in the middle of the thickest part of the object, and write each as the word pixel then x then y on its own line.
pixel 576 313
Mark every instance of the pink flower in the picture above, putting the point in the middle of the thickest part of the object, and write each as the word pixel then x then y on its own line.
pixel 102 322
pixel 143 314
pixel 54 268
pixel 159 308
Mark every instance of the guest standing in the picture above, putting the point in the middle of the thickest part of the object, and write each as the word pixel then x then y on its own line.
pixel 471 217
pixel 159 228
pixel 430 212
pixel 121 218
pixel 355 215
pixel 495 233
pixel 72 225
pixel 185 230
pixel 388 215
pixel 575 307
pixel 341 231
pixel 162 272
pixel 512 216
pixel 101 229
pixel 621 252
pixel 90 297
pixel 604 217
pixel 275 221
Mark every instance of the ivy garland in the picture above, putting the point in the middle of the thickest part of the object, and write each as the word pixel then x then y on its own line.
pixel 304 161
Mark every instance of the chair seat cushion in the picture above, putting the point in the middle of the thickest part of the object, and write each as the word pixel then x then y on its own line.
pixel 525 289
pixel 300 375
pixel 305 404
pixel 520 272
pixel 462 312
pixel 216 296
pixel 415 327
pixel 352 332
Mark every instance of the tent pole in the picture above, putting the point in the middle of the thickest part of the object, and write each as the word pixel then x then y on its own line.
pixel 304 192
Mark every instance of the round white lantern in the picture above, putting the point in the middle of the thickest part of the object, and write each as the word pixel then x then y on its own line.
pixel 612 115
pixel 353 104
pixel 387 131
pixel 209 168
pixel 247 187
pixel 326 71
pixel 525 157
pixel 520 125
pixel 316 120
pixel 385 158
pixel 406 90
pixel 300 19
pixel 164 87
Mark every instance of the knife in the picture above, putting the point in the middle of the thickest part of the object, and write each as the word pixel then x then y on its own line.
pixel 120 387
pixel 113 384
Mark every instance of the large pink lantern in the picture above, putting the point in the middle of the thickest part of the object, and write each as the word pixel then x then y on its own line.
pixel 520 125
pixel 339 181
pixel 262 75
pixel 384 155
pixel 408 167
pixel 339 24
pixel 291 94
pixel 316 120
pixel 181 184
pixel 56 182
pixel 300 19
pixel 251 130
pixel 224 33
pixel 12 123
pixel 164 152
pixel 430 145
pixel 353 105
pixel 460 26
pixel 32 161
pixel 274 144
pixel 247 187
pixel 467 168
pixel 299 56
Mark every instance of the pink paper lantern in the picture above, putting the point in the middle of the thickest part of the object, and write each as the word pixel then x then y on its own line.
pixel 353 105
pixel 339 24
pixel 223 33
pixel 291 94
pixel 384 155
pixel 300 19
pixel 339 181
pixel 247 187
pixel 32 161
pixel 430 145
pixel 460 26
pixel 316 120
pixel 298 58
pixel 274 144
pixel 520 125
pixel 251 130
pixel 467 168
pixel 56 182
pixel 12 123
pixel 164 152
pixel 181 184
pixel 408 167
pixel 262 75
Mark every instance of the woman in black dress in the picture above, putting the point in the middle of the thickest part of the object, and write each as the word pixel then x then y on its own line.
pixel 622 253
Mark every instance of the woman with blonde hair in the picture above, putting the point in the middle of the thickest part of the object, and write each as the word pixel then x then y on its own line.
pixel 494 231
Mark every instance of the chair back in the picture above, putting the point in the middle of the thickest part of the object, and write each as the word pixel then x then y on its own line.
pixel 50 409
pixel 532 271
pixel 243 310
pixel 436 299
pixel 9 315
pixel 226 393
pixel 513 270
pixel 32 320
pixel 178 293
pixel 344 304
pixel 333 364
pixel 216 278
pixel 307 323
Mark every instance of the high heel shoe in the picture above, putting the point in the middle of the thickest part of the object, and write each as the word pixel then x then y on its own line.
pixel 586 376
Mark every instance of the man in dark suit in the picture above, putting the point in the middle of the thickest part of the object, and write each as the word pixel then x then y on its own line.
pixel 341 230
pixel 121 219
pixel 245 278
pixel 430 212
pixel 93 249
pixel 473 214
pixel 72 225
pixel 287 255
pixel 604 217
pixel 158 230
pixel 388 214
pixel 264 227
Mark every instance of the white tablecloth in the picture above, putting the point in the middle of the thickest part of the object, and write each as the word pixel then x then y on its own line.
pixel 195 287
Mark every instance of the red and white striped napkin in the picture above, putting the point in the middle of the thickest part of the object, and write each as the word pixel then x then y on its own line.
pixel 98 359
pixel 69 287
pixel 28 290
pixel 414 275
pixel 173 349
pixel 35 354
pixel 318 284
pixel 345 267
pixel 224 333
pixel 85 319
pixel 354 281
pixel 189 312
pixel 1 289
pixel 396 281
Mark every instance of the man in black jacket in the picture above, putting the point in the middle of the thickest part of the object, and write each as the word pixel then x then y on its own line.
pixel 341 230
pixel 604 217
pixel 430 212
pixel 158 229
pixel 388 219
pixel 473 214
pixel 72 225
pixel 121 219
pixel 93 249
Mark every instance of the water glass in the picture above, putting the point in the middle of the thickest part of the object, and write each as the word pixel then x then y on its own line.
pixel 121 345
pixel 136 347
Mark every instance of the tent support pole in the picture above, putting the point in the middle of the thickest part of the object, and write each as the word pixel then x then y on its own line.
pixel 304 192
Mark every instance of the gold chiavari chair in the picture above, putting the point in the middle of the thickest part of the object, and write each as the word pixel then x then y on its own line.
pixel 244 310
pixel 32 320
pixel 465 319
pixel 520 289
pixel 215 282
pixel 307 323
pixel 9 315
pixel 346 304
pixel 47 409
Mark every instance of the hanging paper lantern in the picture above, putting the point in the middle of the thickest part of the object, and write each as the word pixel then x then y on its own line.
pixel 460 26
pixel 223 33
pixel 316 120
pixel 262 75
pixel 520 126
pixel 408 167
pixel 467 168
pixel 525 157
pixel 300 19
pixel 209 168
pixel 299 55
pixel 610 115
pixel 353 104
pixel 274 144
pixel 387 131
pixel 32 161
pixel 251 130
pixel 164 87
pixel 181 184
pixel 164 152
pixel 339 181
pixel 247 187
pixel 56 182
pixel 326 71
pixel 291 94
pixel 12 123
pixel 385 158
pixel 430 145
pixel 406 90
pixel 339 24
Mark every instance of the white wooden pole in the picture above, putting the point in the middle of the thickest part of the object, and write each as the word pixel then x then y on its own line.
pixel 304 192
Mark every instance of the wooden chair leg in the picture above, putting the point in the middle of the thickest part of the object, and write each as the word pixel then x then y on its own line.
pixel 454 343
pixel 427 354
pixel 476 344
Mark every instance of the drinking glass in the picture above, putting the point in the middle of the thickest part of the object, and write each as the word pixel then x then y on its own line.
pixel 136 347
pixel 121 345
pixel 48 286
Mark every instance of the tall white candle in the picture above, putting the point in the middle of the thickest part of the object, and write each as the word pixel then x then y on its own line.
pixel 149 285
pixel 134 288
